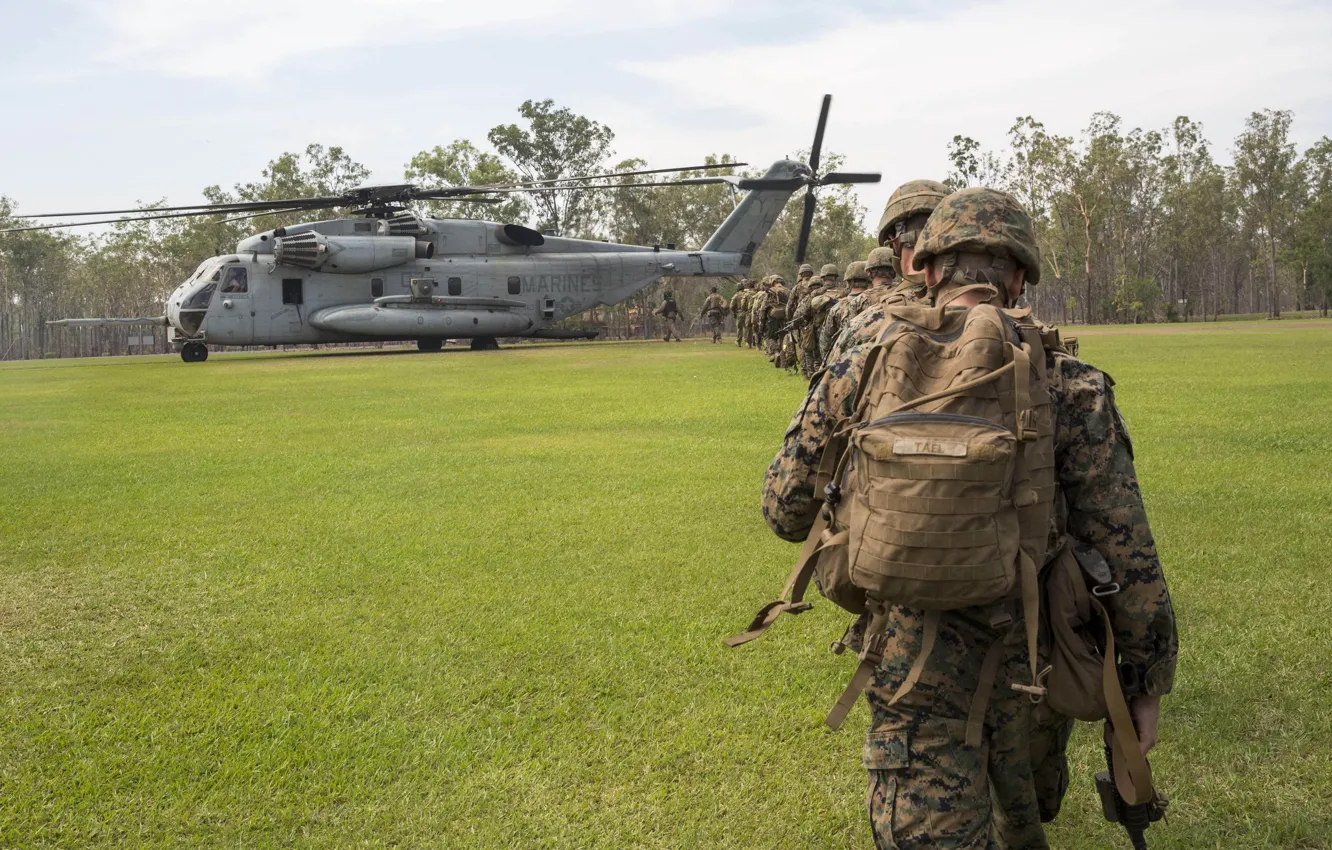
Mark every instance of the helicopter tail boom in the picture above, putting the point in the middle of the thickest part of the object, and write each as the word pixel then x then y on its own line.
pixel 747 225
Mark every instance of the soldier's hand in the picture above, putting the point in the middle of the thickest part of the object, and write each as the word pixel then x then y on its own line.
pixel 1145 711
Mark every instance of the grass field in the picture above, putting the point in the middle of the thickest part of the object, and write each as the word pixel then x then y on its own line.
pixel 476 600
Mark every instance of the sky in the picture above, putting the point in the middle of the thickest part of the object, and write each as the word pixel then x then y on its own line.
pixel 114 102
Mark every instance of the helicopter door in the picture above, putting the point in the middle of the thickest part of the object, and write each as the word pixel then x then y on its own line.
pixel 231 319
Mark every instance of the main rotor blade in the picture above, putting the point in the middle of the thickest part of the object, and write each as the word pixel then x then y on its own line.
pixel 849 177
pixel 197 213
pixel 817 147
pixel 620 175
pixel 234 206
pixel 806 222
pixel 260 215
pixel 690 181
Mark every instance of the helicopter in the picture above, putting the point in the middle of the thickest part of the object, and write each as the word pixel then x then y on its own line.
pixel 386 274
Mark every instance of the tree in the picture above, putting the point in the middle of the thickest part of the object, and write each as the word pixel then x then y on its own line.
pixel 1313 228
pixel 1265 175
pixel 556 144
pixel 462 164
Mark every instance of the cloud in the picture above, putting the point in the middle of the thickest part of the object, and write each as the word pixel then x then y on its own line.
pixel 251 39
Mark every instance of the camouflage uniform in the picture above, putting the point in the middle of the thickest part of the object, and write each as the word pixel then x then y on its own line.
pixel 757 311
pixel 714 313
pixel 779 297
pixel 670 313
pixel 740 309
pixel 846 309
pixel 926 788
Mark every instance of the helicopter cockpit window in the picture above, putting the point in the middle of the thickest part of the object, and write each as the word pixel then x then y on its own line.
pixel 235 282
pixel 200 298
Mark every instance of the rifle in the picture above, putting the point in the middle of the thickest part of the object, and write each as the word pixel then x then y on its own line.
pixel 1135 818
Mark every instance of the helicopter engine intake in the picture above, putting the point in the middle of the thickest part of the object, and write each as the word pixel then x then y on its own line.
pixel 349 254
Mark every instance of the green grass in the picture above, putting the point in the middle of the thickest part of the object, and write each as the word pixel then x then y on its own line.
pixel 476 600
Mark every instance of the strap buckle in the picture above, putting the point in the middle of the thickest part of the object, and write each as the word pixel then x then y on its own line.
pixel 1027 425
pixel 832 495
pixel 1101 591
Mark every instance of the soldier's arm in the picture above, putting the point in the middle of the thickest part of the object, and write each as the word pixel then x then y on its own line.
pixel 789 505
pixel 1095 467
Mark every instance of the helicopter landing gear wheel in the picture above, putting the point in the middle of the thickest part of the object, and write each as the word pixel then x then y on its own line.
pixel 429 344
pixel 485 343
pixel 194 352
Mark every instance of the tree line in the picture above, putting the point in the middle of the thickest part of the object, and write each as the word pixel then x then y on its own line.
pixel 1137 225
pixel 1145 225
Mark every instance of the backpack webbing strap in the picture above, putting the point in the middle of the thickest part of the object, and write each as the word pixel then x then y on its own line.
pixel 929 633
pixel 1031 604
pixel 793 595
pixel 980 700
pixel 871 655
pixel 1133 775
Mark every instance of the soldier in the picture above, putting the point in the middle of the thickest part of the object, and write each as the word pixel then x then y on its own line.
pixel 804 282
pixel 740 310
pixel 714 314
pixel 905 214
pixel 670 313
pixel 757 311
pixel 927 787
pixel 879 266
pixel 846 308
pixel 775 318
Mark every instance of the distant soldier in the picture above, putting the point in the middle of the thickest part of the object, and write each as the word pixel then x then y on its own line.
pixel 804 283
pixel 714 314
pixel 758 303
pixel 740 309
pixel 670 314
pixel 879 266
pixel 908 209
pixel 775 318
pixel 846 308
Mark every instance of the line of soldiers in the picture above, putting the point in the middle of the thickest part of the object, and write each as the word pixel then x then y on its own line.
pixel 798 327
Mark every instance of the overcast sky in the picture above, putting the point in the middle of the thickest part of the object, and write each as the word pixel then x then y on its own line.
pixel 108 102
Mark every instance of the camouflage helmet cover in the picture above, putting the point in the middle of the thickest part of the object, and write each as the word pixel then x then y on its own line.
pixel 806 268
pixel 828 269
pixel 880 259
pixel 778 279
pixel 911 198
pixel 984 221
pixel 856 272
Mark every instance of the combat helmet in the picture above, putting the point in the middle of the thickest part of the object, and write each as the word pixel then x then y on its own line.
pixel 829 270
pixel 915 197
pixel 976 222
pixel 880 260
pixel 805 268
pixel 856 273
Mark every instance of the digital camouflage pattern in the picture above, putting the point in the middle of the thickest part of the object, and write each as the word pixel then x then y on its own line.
pixel 911 198
pixel 740 309
pixel 846 309
pixel 926 788
pixel 984 221
pixel 714 314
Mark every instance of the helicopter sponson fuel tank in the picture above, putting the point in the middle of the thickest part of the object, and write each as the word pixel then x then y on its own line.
pixel 399 316
pixel 347 254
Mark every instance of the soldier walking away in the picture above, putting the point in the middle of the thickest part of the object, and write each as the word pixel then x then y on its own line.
pixel 846 308
pixel 905 214
pixel 740 309
pixel 669 312
pixel 714 314
pixel 964 413
pixel 778 305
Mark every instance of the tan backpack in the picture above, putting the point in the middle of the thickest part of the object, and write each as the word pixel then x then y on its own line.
pixel 938 490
